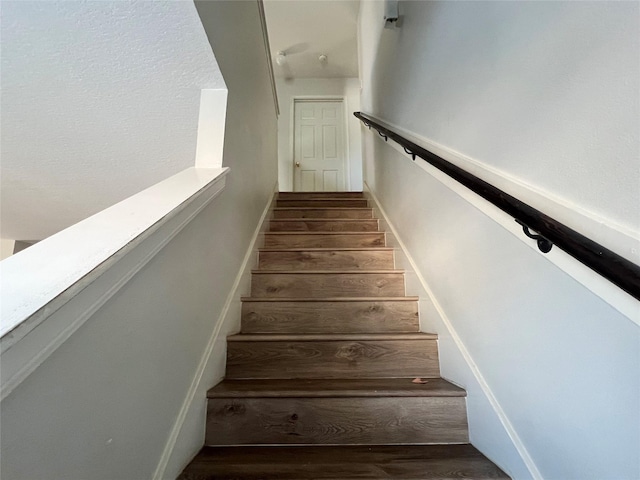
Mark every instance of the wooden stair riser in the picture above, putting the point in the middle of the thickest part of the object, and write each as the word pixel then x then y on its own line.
pixel 333 359
pixel 328 240
pixel 323 203
pixel 330 317
pixel 318 195
pixel 336 421
pixel 317 285
pixel 346 213
pixel 364 225
pixel 326 260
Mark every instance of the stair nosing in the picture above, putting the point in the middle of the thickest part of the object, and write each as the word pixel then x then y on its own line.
pixel 323 208
pixel 324 198
pixel 406 298
pixel 323 232
pixel 305 192
pixel 335 388
pixel 324 219
pixel 324 249
pixel 334 272
pixel 330 337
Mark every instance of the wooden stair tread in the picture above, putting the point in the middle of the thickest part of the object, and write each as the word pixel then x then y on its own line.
pixel 324 202
pixel 323 208
pixel 361 387
pixel 328 238
pixel 332 272
pixel 321 198
pixel 330 299
pixel 326 232
pixel 319 220
pixel 340 462
pixel 329 337
pixel 325 249
pixel 348 193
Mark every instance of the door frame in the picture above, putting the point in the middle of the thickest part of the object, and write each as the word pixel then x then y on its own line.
pixel 346 163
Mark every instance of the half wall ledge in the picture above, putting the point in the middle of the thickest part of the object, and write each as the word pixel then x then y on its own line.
pixel 88 263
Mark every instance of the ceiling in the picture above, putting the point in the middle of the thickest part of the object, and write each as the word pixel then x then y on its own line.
pixel 306 29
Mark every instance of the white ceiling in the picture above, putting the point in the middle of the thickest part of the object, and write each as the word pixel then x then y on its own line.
pixel 305 29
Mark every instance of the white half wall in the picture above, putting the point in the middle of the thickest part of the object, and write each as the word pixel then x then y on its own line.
pixel 545 96
pixel 288 90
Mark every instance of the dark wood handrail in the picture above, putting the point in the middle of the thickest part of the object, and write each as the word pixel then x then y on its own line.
pixel 618 270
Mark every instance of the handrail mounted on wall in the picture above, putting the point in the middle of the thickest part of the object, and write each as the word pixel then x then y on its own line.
pixel 618 270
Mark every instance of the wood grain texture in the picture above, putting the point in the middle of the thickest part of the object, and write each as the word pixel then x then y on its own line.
pixel 318 195
pixel 320 225
pixel 328 350
pixel 322 213
pixel 333 359
pixel 326 462
pixel 354 284
pixel 323 203
pixel 322 337
pixel 336 421
pixel 365 259
pixel 339 387
pixel 330 317
pixel 319 239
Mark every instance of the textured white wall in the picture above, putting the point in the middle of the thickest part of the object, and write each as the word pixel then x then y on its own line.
pixel 349 88
pixel 548 93
pixel 99 101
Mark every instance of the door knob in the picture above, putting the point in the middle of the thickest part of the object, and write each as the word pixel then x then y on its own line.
pixel 298 164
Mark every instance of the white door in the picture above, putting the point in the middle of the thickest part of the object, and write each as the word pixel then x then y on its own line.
pixel 319 146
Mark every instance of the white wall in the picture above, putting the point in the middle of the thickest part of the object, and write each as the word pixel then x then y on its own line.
pixel 112 401
pixel 349 88
pixel 99 101
pixel 6 248
pixel 544 96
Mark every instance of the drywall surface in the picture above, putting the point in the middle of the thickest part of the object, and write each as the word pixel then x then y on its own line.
pixel 288 90
pixel 99 101
pixel 106 403
pixel 6 248
pixel 547 93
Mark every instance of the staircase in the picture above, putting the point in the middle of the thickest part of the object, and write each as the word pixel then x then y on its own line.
pixel 319 381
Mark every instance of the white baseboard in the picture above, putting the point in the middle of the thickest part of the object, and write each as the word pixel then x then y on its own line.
pixel 229 317
pixel 418 285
